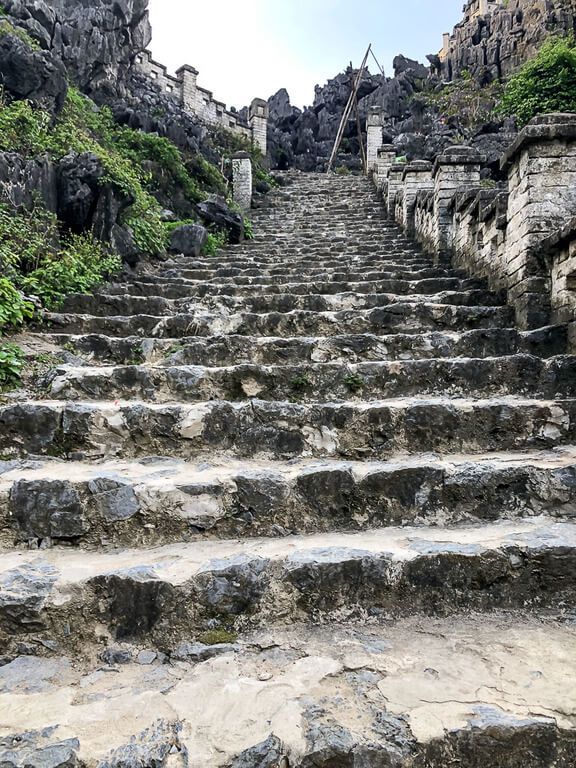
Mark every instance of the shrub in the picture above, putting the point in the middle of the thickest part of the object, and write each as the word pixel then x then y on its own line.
pixel 546 83
pixel 214 242
pixel 14 307
pixel 11 364
pixel 78 267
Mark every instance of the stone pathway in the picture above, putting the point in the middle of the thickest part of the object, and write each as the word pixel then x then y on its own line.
pixel 308 502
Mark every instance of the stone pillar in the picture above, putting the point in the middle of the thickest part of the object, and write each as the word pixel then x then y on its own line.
pixel 374 131
pixel 258 119
pixel 242 180
pixel 188 77
pixel 541 168
pixel 456 170
pixel 417 176
pixel 384 161
pixel 394 185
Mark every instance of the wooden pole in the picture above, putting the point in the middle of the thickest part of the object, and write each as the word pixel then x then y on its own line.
pixel 347 111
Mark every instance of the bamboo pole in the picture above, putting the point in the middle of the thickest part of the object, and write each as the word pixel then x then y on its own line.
pixel 347 111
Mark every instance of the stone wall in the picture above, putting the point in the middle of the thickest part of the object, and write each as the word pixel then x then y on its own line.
pixel 201 102
pixel 514 234
pixel 495 37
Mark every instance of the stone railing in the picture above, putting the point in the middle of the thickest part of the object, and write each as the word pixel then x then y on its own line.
pixel 520 235
pixel 201 102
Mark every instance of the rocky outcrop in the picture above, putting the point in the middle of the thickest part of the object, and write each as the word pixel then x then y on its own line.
pixel 34 75
pixel 492 46
pixel 96 41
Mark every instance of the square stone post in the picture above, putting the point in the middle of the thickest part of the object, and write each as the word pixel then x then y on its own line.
pixel 384 161
pixel 374 131
pixel 456 170
pixel 242 180
pixel 541 168
pixel 394 185
pixel 188 79
pixel 417 176
pixel 258 119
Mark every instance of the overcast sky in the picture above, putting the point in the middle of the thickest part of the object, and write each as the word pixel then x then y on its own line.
pixel 248 48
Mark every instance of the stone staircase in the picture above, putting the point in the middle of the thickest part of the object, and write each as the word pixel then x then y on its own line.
pixel 308 502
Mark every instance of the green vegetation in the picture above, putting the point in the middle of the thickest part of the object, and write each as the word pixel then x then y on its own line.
pixel 215 241
pixel 217 637
pixel 6 28
pixel 300 384
pixel 464 99
pixel 11 364
pixel 546 83
pixel 354 382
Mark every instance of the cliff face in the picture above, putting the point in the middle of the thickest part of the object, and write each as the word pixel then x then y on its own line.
pixel 493 46
pixel 94 39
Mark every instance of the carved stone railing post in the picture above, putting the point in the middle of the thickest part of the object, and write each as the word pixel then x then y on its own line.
pixel 242 180
pixel 374 131
pixel 541 167
pixel 258 119
pixel 457 169
pixel 394 185
pixel 417 177
pixel 384 161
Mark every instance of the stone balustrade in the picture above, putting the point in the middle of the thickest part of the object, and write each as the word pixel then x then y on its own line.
pixel 519 234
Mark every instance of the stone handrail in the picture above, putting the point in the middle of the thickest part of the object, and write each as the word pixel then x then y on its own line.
pixel 507 234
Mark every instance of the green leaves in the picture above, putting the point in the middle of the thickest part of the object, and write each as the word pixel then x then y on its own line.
pixel 77 268
pixel 11 364
pixel 14 308
pixel 547 83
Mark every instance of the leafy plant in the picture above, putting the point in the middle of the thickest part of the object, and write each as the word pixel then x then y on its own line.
pixel 77 268
pixel 15 309
pixel 11 365
pixel 248 229
pixel 354 382
pixel 214 242
pixel 546 83
pixel 300 384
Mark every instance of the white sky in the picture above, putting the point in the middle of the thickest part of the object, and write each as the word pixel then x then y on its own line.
pixel 252 48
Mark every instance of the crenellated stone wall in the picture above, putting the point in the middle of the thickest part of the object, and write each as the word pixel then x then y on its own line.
pixel 520 235
pixel 201 102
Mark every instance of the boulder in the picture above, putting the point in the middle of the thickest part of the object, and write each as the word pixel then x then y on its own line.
pixel 215 213
pixel 189 240
pixel 34 75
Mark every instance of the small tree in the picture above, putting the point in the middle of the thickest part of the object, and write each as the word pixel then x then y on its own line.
pixel 546 83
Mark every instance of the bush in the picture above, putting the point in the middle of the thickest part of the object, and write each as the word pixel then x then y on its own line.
pixel 546 83
pixel 79 266
pixel 14 307
pixel 11 364
pixel 214 242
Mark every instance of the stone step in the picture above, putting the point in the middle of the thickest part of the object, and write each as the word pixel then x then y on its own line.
pixel 350 275
pixel 403 694
pixel 106 305
pixel 169 595
pixel 400 273
pixel 402 317
pixel 173 290
pixel 351 430
pixel 161 501
pixel 236 350
pixel 326 382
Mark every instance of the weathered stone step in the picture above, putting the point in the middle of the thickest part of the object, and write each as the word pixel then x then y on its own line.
pixel 350 275
pixel 235 350
pixel 352 430
pixel 513 375
pixel 402 317
pixel 104 305
pixel 287 274
pixel 390 695
pixel 400 273
pixel 165 596
pixel 173 290
pixel 161 501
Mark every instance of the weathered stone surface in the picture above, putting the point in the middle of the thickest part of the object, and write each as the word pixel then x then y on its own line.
pixel 188 240
pixel 214 212
pixel 34 75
